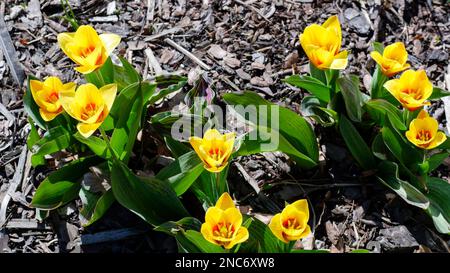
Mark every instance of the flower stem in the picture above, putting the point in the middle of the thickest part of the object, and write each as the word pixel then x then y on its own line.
pixel 108 144
pixel 99 76
pixel 217 185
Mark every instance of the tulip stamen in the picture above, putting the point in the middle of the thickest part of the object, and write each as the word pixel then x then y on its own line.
pixel 215 153
pixel 87 50
pixel 89 111
pixel 53 97
pixel 225 230
pixel 423 135
pixel 291 223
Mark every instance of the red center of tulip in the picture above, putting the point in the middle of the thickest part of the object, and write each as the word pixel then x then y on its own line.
pixel 87 50
pixel 291 223
pixel 423 135
pixel 413 92
pixel 53 97
pixel 89 110
pixel 215 153
pixel 225 230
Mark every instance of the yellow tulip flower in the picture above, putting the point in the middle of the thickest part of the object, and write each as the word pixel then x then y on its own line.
pixel 322 44
pixel 223 224
pixel 423 132
pixel 46 95
pixel 214 149
pixel 86 48
pixel 89 105
pixel 292 223
pixel 412 89
pixel 393 59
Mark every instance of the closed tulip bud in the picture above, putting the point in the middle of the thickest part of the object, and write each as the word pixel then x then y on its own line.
pixel 393 59
pixel 46 94
pixel 86 48
pixel 322 43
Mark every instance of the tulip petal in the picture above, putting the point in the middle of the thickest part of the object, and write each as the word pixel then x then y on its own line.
pixel 213 215
pixel 422 114
pixel 109 94
pixel 206 231
pixel 64 40
pixel 68 87
pixel 216 169
pixel 110 41
pixel 397 52
pixel 86 36
pixel 86 130
pixel 438 140
pixel 275 226
pixel 302 205
pixel 305 232
pixel 241 236
pixel 49 116
pixel 233 216
pixel 333 24
pixel 35 87
pixel 85 69
pixel 340 61
pixel 376 56
pixel 225 202
pixel 211 134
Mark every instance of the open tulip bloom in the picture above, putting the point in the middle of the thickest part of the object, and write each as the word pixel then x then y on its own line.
pixel 412 89
pixel 423 132
pixel 223 224
pixel 89 105
pixel 46 94
pixel 322 44
pixel 214 149
pixel 88 49
pixel 393 60
pixel 292 223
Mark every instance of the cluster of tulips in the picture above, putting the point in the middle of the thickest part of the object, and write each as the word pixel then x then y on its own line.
pixel 224 225
pixel 90 105
pixel 322 44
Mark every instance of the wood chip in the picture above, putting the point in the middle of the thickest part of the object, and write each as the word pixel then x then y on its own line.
pixel 217 52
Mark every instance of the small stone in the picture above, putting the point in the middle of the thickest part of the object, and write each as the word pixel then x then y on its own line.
pixel 14 12
pixel 166 56
pixel 104 19
pixel 111 8
pixel 9 170
pixel 217 52
pixel 290 60
pixel 258 81
pixel 258 66
pixel 417 48
pixel 438 55
pixel 258 57
pixel 350 13
pixel 265 37
pixel 397 238
pixel 232 62
pixel 136 45
pixel 243 75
